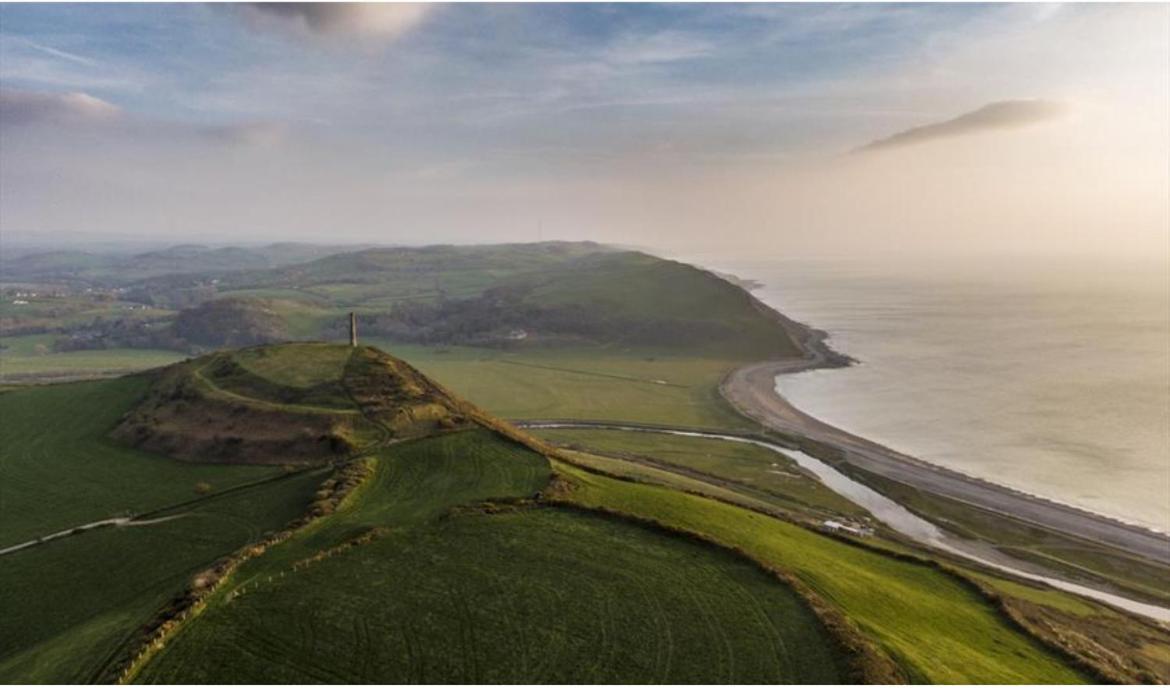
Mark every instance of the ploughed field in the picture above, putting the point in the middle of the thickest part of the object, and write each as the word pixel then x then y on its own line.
pixel 340 517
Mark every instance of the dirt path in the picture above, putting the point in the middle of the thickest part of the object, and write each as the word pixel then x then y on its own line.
pixel 116 521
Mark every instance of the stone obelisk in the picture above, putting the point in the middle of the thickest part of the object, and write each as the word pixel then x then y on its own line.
pixel 352 329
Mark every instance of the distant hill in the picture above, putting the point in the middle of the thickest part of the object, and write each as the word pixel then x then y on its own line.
pixel 550 294
pixel 453 269
pixel 567 295
pixel 88 268
pixel 230 322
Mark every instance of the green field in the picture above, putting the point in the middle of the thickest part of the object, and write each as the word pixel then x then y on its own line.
pixel 71 604
pixel 734 494
pixel 584 384
pixel 534 595
pixel 20 360
pixel 59 470
pixel 580 383
pixel 755 470
pixel 934 626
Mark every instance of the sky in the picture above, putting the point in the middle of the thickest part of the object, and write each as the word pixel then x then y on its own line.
pixel 809 130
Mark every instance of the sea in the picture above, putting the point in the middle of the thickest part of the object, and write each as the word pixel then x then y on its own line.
pixel 1050 377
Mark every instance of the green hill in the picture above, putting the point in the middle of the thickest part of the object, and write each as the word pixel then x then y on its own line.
pixel 104 269
pixel 397 588
pixel 530 295
pixel 426 490
pixel 567 301
pixel 249 407
pixel 230 322
pixel 340 517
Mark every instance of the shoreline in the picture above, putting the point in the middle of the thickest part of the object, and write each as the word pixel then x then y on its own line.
pixel 751 390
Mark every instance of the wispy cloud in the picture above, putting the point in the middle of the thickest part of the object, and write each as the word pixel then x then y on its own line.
pixel 57 115
pixel 55 52
pixel 26 107
pixel 1001 115
pixel 657 47
pixel 42 63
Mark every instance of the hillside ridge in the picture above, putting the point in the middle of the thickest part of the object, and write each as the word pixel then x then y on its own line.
pixel 257 406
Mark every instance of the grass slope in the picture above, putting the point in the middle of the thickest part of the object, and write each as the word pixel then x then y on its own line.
pixel 296 365
pixel 58 468
pixel 935 627
pixel 533 595
pixel 70 604
pixel 755 470
pixel 1064 554
pixel 712 315
pixel 1128 649
pixel 501 599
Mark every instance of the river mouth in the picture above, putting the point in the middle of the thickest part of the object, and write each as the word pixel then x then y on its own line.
pixel 899 518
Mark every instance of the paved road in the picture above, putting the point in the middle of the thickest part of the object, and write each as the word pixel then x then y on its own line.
pixel 751 389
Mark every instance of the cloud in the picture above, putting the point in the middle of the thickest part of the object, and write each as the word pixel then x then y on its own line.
pixel 378 22
pixel 27 107
pixel 56 52
pixel 1001 115
pixel 660 47
pixel 55 114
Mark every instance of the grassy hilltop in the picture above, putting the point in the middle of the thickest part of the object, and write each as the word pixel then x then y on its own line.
pixel 424 455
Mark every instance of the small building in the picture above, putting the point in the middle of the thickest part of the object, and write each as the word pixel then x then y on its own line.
pixel 851 529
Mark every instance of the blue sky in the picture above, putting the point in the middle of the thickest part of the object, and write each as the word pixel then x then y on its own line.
pixel 194 118
pixel 597 69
